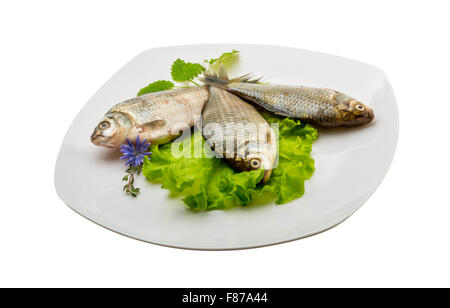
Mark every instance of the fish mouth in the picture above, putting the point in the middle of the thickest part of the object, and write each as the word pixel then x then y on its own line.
pixel 95 137
pixel 371 115
pixel 267 174
pixel 367 117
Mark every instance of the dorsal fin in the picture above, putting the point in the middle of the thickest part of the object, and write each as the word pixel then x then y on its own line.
pixel 219 77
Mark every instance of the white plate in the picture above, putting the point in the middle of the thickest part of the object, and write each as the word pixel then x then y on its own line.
pixel 350 163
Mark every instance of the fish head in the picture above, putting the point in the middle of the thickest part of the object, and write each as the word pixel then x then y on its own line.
pixel 260 156
pixel 112 130
pixel 352 111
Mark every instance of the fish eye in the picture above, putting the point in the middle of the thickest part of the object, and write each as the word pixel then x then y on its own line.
pixel 360 107
pixel 255 163
pixel 103 125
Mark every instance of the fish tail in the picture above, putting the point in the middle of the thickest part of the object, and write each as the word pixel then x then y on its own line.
pixel 219 78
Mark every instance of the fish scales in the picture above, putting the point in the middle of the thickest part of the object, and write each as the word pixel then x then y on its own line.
pixel 321 106
pixel 158 117
pixel 310 104
pixel 238 133
pixel 179 104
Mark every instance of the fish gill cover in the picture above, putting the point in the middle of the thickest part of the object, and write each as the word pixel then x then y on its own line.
pixel 210 183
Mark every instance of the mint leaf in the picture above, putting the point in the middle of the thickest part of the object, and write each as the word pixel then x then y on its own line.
pixel 185 71
pixel 160 85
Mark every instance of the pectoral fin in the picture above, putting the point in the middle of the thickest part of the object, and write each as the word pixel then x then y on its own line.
pixel 157 124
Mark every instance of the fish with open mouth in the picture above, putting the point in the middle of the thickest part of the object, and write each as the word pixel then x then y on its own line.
pixel 321 106
pixel 238 133
pixel 158 117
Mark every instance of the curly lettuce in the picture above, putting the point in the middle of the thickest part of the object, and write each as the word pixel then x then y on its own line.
pixel 206 183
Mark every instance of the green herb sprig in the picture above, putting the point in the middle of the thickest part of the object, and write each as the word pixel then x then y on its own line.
pixel 157 86
pixel 186 72
pixel 129 188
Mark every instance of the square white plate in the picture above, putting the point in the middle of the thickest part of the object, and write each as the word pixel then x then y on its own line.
pixel 350 163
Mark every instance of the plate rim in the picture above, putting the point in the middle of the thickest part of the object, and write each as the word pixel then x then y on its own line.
pixel 243 247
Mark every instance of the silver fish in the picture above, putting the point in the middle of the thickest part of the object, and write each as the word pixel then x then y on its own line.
pixel 238 133
pixel 158 117
pixel 324 107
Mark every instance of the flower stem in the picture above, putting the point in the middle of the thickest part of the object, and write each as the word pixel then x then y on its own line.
pixel 129 186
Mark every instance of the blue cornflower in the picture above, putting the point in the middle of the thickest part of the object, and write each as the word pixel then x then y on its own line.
pixel 135 154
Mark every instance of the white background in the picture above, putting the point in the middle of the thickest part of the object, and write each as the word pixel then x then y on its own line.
pixel 55 54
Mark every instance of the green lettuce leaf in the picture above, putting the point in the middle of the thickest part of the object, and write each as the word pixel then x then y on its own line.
pixel 295 164
pixel 205 182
